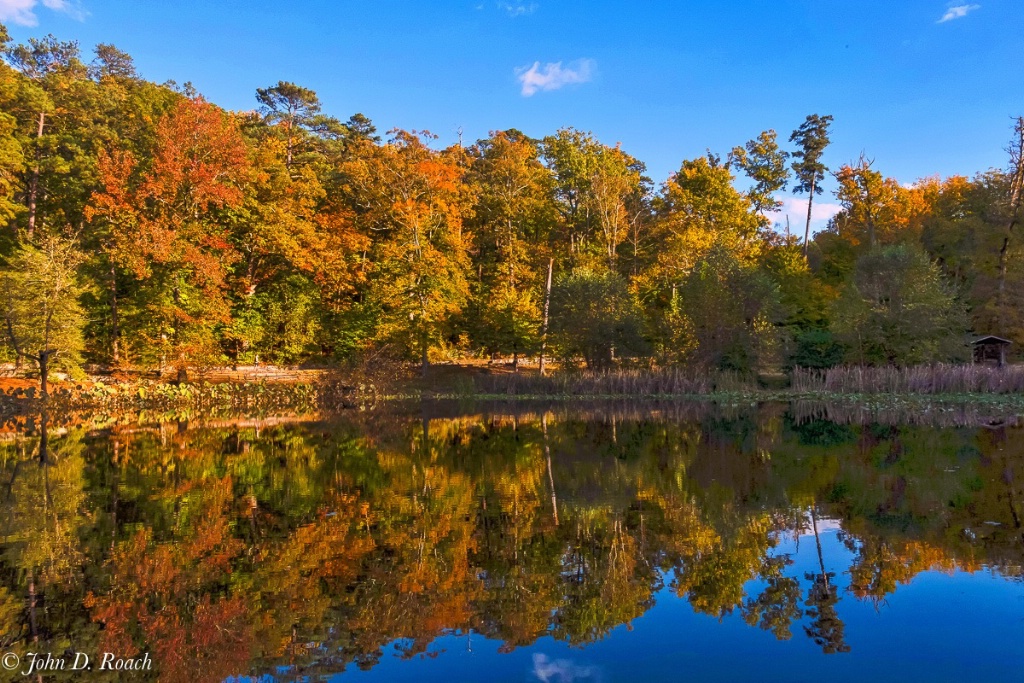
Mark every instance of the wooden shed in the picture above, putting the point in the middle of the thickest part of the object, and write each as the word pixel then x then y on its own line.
pixel 990 349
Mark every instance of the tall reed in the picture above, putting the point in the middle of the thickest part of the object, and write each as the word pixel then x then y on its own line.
pixel 939 378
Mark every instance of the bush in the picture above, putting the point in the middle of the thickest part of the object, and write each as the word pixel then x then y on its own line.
pixel 816 349
pixel 898 310
pixel 593 315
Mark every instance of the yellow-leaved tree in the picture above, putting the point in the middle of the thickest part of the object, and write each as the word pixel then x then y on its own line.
pixel 412 201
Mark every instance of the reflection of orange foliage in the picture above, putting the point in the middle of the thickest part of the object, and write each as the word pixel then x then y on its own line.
pixel 884 565
pixel 427 585
pixel 713 580
pixel 441 523
pixel 162 600
pixel 301 578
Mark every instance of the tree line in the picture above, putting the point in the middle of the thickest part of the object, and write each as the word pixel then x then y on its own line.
pixel 144 226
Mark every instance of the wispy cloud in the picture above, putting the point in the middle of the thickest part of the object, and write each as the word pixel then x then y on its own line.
pixel 553 75
pixel 517 9
pixel 958 12
pixel 548 670
pixel 796 209
pixel 22 12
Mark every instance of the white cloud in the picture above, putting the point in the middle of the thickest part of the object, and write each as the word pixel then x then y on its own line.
pixel 957 12
pixel 796 209
pixel 562 670
pixel 22 11
pixel 18 12
pixel 553 75
pixel 517 9
pixel 72 8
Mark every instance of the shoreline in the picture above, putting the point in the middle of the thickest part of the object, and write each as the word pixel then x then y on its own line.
pixel 261 401
pixel 280 392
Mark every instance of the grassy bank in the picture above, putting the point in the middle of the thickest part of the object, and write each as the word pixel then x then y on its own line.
pixel 199 398
pixel 938 393
pixel 924 389
pixel 932 380
pixel 1002 404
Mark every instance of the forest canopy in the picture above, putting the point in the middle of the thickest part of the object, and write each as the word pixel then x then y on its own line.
pixel 144 226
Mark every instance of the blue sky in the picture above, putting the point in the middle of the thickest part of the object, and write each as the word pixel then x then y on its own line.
pixel 924 87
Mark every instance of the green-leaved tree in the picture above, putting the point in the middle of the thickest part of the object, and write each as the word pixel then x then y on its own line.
pixel 811 139
pixel 593 315
pixel 42 316
pixel 897 309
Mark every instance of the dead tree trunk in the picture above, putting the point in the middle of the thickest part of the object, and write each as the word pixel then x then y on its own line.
pixel 547 308
pixel 807 227
pixel 1016 150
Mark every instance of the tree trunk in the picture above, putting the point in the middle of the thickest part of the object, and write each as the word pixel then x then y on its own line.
pixel 115 331
pixel 425 360
pixel 288 144
pixel 44 369
pixel 807 227
pixel 33 183
pixel 1016 191
pixel 551 476
pixel 817 542
pixel 547 308
pixel 872 238
pixel 1001 286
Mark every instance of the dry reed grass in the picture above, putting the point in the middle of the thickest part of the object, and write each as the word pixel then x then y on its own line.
pixel 939 378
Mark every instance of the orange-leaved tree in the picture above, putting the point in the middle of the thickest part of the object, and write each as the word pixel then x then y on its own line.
pixel 169 225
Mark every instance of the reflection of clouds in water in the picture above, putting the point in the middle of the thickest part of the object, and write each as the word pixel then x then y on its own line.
pixel 562 670
pixel 824 524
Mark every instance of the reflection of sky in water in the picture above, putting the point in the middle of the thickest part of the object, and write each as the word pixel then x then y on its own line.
pixel 940 627
pixel 649 561
pixel 563 670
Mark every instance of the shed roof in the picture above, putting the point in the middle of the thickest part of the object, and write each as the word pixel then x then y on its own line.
pixel 991 339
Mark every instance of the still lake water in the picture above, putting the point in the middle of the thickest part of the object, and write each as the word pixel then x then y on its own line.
pixel 553 544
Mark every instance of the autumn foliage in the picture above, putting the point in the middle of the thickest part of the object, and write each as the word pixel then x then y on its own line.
pixel 200 237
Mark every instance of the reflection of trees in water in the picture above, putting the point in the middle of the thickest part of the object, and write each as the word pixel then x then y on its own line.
pixel 826 628
pixel 927 413
pixel 776 607
pixel 319 545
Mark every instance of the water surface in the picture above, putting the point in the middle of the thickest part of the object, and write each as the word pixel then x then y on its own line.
pixel 551 544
